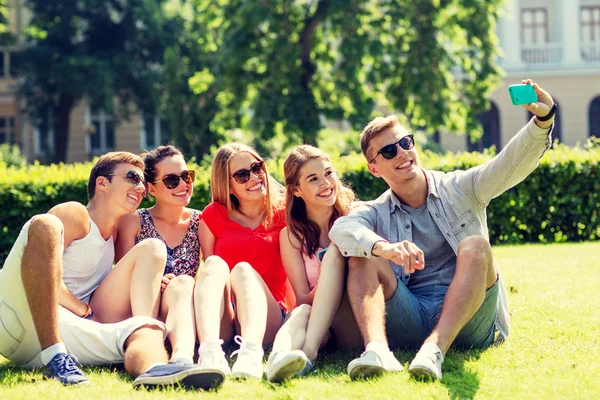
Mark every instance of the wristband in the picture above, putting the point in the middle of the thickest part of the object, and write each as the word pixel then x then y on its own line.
pixel 549 115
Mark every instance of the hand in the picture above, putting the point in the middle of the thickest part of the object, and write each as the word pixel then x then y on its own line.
pixel 165 281
pixel 403 253
pixel 543 105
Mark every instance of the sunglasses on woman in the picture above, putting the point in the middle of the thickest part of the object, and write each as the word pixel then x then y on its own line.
pixel 242 176
pixel 171 181
pixel 391 150
pixel 131 177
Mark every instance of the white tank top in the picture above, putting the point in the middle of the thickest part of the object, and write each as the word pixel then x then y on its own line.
pixel 86 262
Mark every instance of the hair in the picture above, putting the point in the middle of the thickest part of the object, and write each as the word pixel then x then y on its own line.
pixel 153 157
pixel 220 178
pixel 374 128
pixel 306 231
pixel 106 165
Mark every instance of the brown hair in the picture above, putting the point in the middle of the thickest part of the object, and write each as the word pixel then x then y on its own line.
pixel 106 165
pixel 220 188
pixel 374 128
pixel 306 231
pixel 153 157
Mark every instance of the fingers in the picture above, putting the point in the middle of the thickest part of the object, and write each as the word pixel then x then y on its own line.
pixel 409 256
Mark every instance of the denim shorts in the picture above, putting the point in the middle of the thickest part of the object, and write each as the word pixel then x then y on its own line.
pixel 412 315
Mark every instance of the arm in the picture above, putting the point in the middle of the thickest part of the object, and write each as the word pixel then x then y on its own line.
pixel 354 233
pixel 76 225
pixel 207 240
pixel 517 160
pixel 127 230
pixel 294 267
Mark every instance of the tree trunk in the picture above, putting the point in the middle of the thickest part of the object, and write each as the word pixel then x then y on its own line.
pixel 63 125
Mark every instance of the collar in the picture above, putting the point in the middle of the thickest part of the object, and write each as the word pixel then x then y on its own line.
pixel 432 190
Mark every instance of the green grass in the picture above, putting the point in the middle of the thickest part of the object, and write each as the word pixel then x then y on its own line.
pixel 552 352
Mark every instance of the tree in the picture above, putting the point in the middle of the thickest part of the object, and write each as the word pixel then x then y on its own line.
pixel 94 49
pixel 292 62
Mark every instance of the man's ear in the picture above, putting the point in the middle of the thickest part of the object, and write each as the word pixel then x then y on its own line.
pixel 101 183
pixel 373 170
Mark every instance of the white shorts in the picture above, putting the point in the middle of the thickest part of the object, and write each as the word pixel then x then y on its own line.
pixel 91 342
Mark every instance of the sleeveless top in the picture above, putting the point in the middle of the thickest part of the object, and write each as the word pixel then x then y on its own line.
pixel 312 266
pixel 86 262
pixel 183 258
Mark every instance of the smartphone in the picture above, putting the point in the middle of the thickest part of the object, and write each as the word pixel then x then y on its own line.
pixel 522 94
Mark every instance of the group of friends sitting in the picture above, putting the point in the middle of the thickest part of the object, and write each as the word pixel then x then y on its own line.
pixel 171 292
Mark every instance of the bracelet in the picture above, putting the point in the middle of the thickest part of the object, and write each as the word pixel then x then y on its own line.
pixel 549 115
pixel 89 313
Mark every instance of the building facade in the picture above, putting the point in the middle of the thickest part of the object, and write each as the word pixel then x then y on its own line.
pixel 555 43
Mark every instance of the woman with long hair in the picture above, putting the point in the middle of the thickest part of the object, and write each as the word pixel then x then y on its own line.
pixel 315 198
pixel 243 273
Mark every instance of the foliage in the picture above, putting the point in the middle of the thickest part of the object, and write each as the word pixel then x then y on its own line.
pixel 293 62
pixel 10 155
pixel 558 202
pixel 94 49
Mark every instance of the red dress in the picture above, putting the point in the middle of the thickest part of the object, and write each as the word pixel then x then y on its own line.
pixel 235 243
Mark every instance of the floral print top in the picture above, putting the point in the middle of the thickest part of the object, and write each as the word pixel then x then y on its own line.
pixel 181 259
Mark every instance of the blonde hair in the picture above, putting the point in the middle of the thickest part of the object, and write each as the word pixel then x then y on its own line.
pixel 106 165
pixel 220 178
pixel 306 231
pixel 374 128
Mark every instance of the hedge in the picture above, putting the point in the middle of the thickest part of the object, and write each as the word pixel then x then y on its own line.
pixel 559 202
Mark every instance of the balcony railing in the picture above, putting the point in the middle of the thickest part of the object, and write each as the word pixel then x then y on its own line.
pixel 590 52
pixel 544 53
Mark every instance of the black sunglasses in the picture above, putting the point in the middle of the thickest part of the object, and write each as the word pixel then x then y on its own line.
pixel 391 150
pixel 131 177
pixel 242 176
pixel 171 181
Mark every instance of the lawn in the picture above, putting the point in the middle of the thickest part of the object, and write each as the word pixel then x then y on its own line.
pixel 553 351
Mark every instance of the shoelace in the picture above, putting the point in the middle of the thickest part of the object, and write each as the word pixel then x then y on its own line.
pixel 66 365
pixel 243 350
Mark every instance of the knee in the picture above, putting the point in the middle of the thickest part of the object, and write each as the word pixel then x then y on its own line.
pixel 214 266
pixel 46 226
pixel 476 249
pixel 359 264
pixel 153 248
pixel 181 286
pixel 302 311
pixel 242 272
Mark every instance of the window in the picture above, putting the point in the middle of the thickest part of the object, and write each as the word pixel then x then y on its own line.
pixel 557 131
pixel 595 117
pixel 8 130
pixel 154 132
pixel 102 137
pixel 590 33
pixel 44 131
pixel 534 25
pixel 490 122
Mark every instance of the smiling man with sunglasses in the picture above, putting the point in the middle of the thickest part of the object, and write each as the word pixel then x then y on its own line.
pixel 421 270
pixel 50 278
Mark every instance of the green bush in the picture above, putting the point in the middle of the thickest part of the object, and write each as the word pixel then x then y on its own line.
pixel 559 202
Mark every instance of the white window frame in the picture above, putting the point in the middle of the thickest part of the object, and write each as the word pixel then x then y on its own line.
pixel 157 133
pixel 102 118
pixel 37 141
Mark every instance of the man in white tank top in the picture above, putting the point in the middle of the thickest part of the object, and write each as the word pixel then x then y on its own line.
pixel 46 321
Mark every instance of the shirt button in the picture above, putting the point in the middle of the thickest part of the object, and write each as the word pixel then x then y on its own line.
pixel 407 226
pixel 345 253
pixel 364 253
pixel 437 215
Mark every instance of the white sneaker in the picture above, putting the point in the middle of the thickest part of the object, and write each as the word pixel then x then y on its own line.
pixel 376 359
pixel 427 364
pixel 211 358
pixel 249 360
pixel 285 364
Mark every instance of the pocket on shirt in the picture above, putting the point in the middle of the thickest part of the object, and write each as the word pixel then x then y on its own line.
pixel 464 224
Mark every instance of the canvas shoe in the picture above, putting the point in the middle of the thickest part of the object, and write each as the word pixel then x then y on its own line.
pixel 65 368
pixel 285 364
pixel 211 359
pixel 249 360
pixel 375 360
pixel 427 364
pixel 172 374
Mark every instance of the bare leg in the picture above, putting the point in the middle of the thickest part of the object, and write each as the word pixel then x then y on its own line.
pixel 177 312
pixel 258 313
pixel 327 300
pixel 475 272
pixel 132 288
pixel 370 283
pixel 212 301
pixel 144 348
pixel 344 327
pixel 42 262
pixel 292 334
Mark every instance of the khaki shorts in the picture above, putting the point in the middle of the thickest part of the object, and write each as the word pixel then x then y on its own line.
pixel 91 342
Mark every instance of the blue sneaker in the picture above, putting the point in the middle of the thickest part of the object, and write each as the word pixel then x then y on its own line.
pixel 188 376
pixel 283 365
pixel 307 368
pixel 65 368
